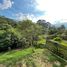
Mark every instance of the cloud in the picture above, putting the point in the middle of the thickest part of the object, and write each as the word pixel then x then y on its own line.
pixel 20 16
pixel 53 9
pixel 6 4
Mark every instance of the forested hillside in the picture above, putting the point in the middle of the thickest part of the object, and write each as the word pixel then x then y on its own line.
pixel 22 38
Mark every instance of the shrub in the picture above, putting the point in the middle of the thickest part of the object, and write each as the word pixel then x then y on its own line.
pixel 57 39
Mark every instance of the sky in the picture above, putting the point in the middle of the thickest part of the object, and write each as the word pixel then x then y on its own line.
pixel 49 10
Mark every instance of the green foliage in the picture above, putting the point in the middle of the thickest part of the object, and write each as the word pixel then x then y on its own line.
pixel 58 39
pixel 15 55
pixel 63 42
pixel 57 48
pixel 18 35
pixel 40 43
pixel 9 37
pixel 52 30
pixel 30 32
pixel 4 20
pixel 24 34
pixel 24 24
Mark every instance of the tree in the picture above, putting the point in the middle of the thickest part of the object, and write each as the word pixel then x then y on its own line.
pixel 30 31
pixel 61 29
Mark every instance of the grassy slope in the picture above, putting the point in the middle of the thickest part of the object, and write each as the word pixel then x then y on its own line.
pixel 14 55
pixel 63 42
pixel 42 58
pixel 46 58
pixel 25 58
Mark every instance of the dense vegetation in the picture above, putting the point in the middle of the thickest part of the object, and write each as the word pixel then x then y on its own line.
pixel 19 35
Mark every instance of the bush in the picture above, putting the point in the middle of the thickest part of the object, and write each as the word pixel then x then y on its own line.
pixel 9 37
pixel 64 37
pixel 57 39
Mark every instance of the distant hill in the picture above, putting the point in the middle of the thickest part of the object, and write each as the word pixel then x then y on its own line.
pixel 6 20
pixel 44 23
pixel 59 24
